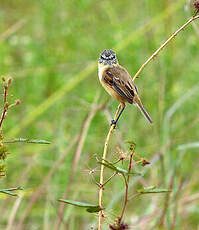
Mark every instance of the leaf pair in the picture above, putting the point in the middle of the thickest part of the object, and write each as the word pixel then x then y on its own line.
pixel 8 191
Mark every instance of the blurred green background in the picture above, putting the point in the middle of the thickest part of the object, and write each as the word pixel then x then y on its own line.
pixel 51 49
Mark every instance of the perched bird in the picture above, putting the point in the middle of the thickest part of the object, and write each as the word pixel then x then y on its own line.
pixel 118 83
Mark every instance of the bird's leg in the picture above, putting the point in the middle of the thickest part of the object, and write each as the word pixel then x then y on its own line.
pixel 118 114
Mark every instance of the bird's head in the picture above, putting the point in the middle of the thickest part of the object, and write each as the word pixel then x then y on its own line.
pixel 108 57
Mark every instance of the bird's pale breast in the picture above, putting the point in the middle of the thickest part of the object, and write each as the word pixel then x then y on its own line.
pixel 111 91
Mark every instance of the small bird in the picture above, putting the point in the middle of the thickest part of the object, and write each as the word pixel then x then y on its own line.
pixel 118 83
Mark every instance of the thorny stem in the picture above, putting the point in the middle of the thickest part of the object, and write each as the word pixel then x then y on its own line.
pixel 127 186
pixel 164 45
pixel 101 215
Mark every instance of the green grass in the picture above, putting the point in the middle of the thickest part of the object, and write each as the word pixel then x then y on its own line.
pixel 53 60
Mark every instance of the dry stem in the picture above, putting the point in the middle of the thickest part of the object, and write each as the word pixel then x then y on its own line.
pixel 102 169
pixel 13 213
pixel 127 187
pixel 166 203
pixel 84 131
pixel 164 45
pixel 5 106
pixel 13 29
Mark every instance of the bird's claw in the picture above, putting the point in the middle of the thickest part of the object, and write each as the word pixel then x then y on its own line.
pixel 113 122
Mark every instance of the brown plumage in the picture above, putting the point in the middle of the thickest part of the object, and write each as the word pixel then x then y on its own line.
pixel 118 83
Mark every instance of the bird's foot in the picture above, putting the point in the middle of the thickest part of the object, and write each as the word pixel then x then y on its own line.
pixel 113 122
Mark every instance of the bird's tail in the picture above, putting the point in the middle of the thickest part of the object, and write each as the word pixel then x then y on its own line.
pixel 144 112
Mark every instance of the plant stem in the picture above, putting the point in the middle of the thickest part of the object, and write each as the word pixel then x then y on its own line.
pixel 113 126
pixel 5 107
pixel 164 45
pixel 127 187
pixel 102 170
pixel 84 131
pixel 114 174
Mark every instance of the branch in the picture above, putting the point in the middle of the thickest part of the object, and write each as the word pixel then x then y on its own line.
pixel 101 215
pixel 5 103
pixel 164 45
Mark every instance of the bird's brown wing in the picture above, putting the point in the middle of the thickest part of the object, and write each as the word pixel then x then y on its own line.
pixel 119 80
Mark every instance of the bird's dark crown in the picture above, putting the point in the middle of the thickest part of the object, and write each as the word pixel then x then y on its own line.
pixel 108 57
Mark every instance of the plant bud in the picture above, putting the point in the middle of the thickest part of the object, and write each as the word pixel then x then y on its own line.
pixel 10 79
pixel 3 78
pixel 196 5
pixel 17 102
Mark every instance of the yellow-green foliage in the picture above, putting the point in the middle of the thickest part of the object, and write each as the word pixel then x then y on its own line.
pixel 51 48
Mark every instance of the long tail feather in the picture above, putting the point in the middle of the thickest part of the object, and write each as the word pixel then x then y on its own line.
pixel 144 112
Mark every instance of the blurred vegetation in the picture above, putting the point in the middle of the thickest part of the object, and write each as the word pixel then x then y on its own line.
pixel 50 48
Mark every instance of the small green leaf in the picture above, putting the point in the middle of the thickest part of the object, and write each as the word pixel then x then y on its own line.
pixel 8 191
pixel 126 172
pixel 135 173
pixel 89 207
pixel 24 140
pixel 132 145
pixel 153 189
pixel 15 189
pixel 93 209
pixel 117 169
pixel 110 166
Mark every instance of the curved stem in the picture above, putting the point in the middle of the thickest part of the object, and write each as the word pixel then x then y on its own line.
pixel 164 44
pixel 102 170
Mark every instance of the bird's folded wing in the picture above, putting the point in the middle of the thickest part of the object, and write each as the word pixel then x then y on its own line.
pixel 120 81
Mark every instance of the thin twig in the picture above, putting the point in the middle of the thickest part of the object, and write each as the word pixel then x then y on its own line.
pixel 164 45
pixel 13 29
pixel 13 213
pixel 166 203
pixel 85 127
pixel 101 215
pixel 5 105
pixel 188 11
pixel 173 225
pixel 127 187
pixel 114 174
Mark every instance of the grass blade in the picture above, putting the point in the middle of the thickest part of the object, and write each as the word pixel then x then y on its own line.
pixel 24 140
